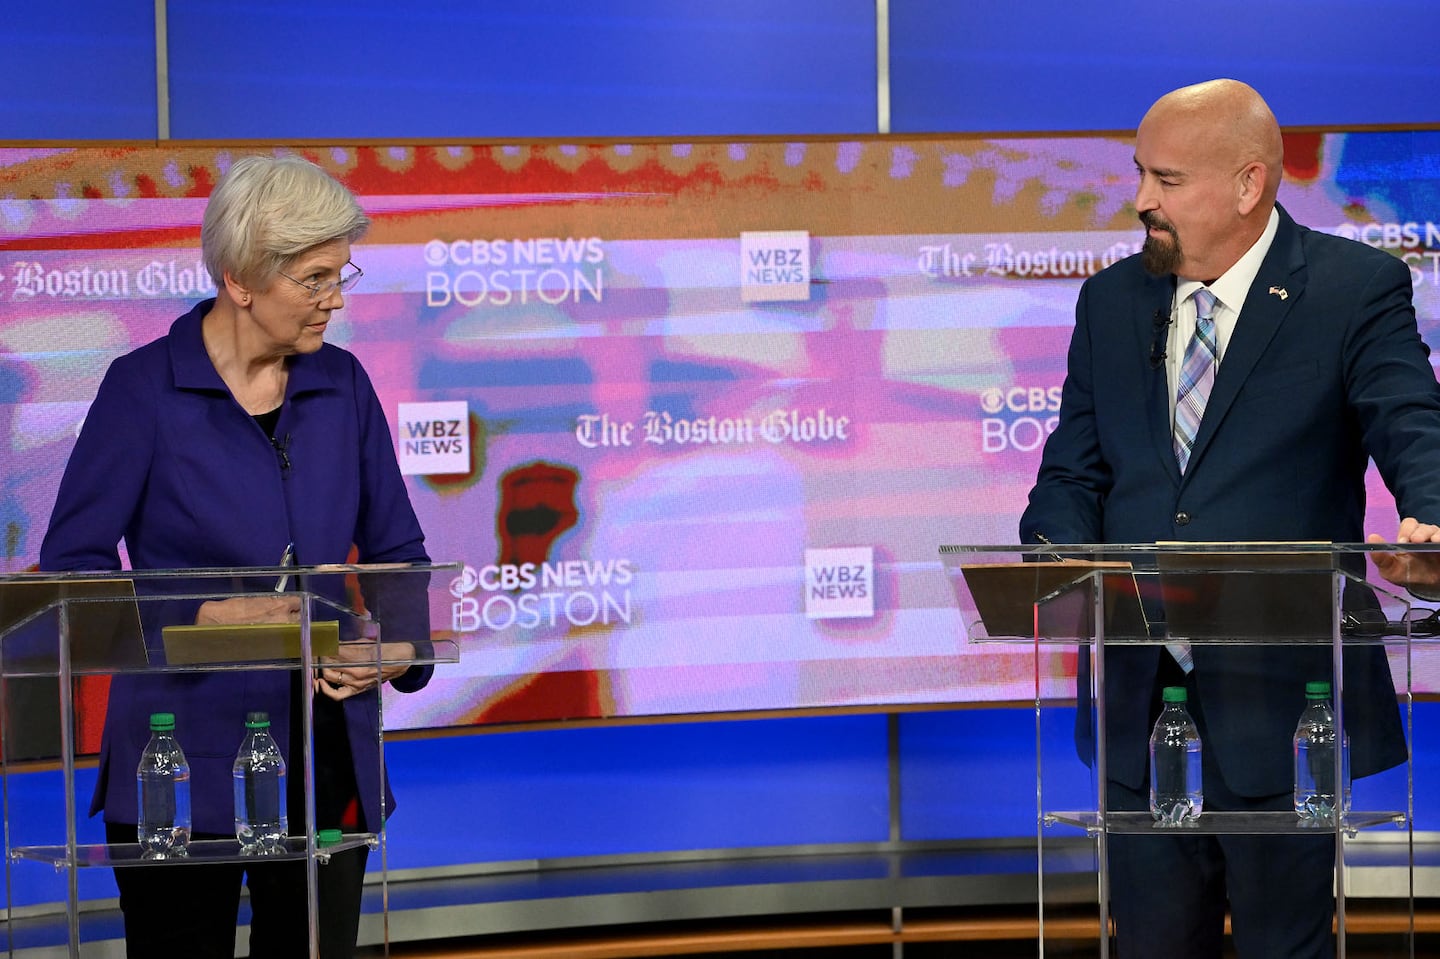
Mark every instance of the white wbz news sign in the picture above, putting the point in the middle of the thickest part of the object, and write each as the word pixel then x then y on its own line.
pixel 434 438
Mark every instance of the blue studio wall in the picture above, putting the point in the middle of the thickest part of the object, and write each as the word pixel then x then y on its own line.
pixel 86 69
pixel 263 69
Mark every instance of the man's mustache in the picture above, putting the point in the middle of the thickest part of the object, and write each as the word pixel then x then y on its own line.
pixel 1153 222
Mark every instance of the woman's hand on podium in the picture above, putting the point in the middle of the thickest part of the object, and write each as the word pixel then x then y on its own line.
pixel 279 608
pixel 353 670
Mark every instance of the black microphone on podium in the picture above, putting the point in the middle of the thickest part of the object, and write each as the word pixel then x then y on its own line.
pixel 1158 340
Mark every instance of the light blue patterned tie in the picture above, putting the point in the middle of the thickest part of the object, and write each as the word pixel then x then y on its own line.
pixel 1197 376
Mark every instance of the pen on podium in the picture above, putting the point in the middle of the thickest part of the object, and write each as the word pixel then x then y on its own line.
pixel 286 559
pixel 1054 557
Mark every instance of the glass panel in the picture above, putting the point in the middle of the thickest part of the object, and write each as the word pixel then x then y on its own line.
pixel 182 653
pixel 1272 632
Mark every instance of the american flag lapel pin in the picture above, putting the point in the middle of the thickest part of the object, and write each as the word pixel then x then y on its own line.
pixel 1279 291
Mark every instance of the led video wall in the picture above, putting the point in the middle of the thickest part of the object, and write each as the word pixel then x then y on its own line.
pixel 694 417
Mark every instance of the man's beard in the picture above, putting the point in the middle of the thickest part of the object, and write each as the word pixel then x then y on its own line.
pixel 1160 258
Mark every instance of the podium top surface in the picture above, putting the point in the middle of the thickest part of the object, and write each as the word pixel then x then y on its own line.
pixel 1114 551
pixel 113 621
pixel 1235 593
pixel 324 569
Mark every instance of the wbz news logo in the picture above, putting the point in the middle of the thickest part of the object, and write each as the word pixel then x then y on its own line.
pixel 774 266
pixel 434 438
pixel 840 583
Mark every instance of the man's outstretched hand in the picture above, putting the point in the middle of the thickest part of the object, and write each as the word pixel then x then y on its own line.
pixel 1418 572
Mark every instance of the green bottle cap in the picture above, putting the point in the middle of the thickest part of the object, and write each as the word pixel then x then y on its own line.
pixel 1317 690
pixel 162 722
pixel 257 720
pixel 1174 694
pixel 328 837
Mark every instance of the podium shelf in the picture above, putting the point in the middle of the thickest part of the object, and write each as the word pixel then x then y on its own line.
pixel 1223 823
pixel 200 851
pixel 443 652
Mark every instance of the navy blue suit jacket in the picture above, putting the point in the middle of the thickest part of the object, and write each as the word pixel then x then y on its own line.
pixel 1312 384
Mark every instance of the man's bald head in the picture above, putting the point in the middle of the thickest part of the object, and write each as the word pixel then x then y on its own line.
pixel 1230 123
pixel 1210 158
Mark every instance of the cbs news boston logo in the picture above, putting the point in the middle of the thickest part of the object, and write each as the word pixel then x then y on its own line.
pixel 1018 418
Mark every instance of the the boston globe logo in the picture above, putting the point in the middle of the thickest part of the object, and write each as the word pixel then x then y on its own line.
pixel 580 592
pixel 1017 417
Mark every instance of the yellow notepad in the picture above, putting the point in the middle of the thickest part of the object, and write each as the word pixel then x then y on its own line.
pixel 246 642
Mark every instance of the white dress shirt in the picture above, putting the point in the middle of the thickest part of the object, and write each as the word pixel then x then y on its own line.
pixel 1230 291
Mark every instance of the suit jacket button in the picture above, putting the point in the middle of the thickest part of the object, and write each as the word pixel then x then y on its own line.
pixel 1182 518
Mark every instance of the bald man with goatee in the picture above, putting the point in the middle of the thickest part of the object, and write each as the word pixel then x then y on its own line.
pixel 1230 383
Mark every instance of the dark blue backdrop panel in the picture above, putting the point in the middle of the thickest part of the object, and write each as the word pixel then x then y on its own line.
pixel 77 70
pixel 1085 66
pixel 598 791
pixel 606 791
pixel 84 69
pixel 619 790
pixel 1426 755
pixel 970 773
pixel 33 805
pixel 455 68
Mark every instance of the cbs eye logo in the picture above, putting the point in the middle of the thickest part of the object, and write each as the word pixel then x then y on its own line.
pixel 1020 399
pixel 466 583
pixel 436 253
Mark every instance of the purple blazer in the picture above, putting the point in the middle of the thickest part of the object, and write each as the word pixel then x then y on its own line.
pixel 169 462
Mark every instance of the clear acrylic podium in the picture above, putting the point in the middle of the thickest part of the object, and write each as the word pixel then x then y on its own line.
pixel 1260 620
pixel 66 638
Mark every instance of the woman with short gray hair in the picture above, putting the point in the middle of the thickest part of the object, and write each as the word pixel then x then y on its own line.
pixel 239 437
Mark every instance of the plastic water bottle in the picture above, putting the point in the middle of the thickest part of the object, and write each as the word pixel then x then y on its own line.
pixel 163 784
pixel 1175 793
pixel 1315 739
pixel 259 773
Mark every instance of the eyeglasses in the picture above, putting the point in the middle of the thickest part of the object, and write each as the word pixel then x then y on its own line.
pixel 1418 622
pixel 321 289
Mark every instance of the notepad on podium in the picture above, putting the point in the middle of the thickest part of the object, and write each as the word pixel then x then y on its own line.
pixel 246 642
pixel 1006 597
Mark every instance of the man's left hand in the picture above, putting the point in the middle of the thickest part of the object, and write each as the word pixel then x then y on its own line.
pixel 1417 572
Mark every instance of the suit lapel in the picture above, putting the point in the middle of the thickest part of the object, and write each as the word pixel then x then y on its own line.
pixel 1157 299
pixel 1255 328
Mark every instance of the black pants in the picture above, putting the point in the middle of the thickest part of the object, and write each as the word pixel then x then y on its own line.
pixel 1169 890
pixel 190 911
